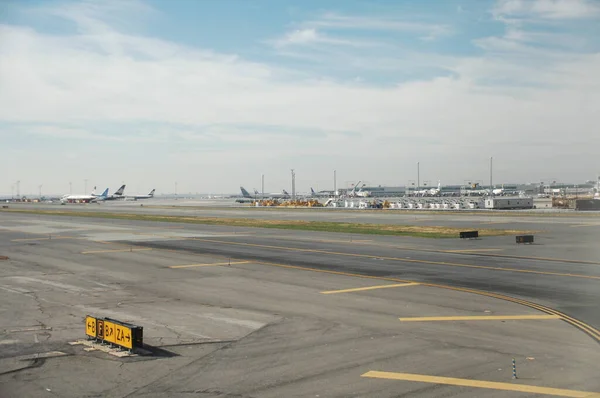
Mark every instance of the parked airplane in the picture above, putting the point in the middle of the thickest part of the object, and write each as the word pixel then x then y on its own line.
pixel 360 193
pixel 115 196
pixel 257 195
pixel 138 197
pixel 84 198
pixel 320 194
pixel 431 192
pixel 498 191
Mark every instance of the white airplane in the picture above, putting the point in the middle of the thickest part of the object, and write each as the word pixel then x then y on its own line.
pixel 363 194
pixel 85 198
pixel 431 192
pixel 360 193
pixel 138 197
pixel 321 194
pixel 258 195
pixel 498 191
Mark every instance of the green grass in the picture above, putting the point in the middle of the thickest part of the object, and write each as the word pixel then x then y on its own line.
pixel 320 226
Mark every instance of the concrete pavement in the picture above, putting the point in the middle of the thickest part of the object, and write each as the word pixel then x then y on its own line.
pixel 295 314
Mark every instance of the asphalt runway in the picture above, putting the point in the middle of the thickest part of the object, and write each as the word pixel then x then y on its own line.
pixel 253 312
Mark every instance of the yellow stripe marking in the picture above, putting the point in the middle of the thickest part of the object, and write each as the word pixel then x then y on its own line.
pixel 359 289
pixel 493 385
pixel 208 265
pixel 594 333
pixel 406 260
pixel 590 330
pixel 473 250
pixel 478 318
pixel 116 250
pixel 48 238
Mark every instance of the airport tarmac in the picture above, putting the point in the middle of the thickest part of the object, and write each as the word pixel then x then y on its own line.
pixel 269 313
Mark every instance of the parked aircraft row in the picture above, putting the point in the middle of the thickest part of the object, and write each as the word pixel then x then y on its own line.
pixel 358 191
pixel 104 196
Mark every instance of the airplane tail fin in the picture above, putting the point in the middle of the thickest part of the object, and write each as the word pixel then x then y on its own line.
pixel 312 191
pixel 105 193
pixel 120 190
pixel 245 193
pixel 151 194
pixel 285 192
pixel 94 191
pixel 255 191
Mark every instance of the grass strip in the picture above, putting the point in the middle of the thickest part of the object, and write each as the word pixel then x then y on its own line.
pixel 320 226
pixel 429 212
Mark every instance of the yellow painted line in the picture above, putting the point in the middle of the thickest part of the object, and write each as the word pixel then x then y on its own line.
pixel 116 250
pixel 406 260
pixel 359 289
pixel 478 318
pixel 48 238
pixel 472 250
pixel 492 385
pixel 588 329
pixel 209 264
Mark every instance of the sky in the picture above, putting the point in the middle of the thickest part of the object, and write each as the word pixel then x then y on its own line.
pixel 205 96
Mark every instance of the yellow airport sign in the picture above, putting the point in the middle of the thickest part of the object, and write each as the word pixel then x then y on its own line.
pixel 91 328
pixel 100 329
pixel 115 332
pixel 110 331
pixel 123 336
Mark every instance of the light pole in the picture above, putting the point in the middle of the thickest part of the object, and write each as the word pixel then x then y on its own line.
pixel 262 184
pixel 418 176
pixel 335 183
pixel 293 185
pixel 40 188
pixel 491 168
pixel 19 189
pixel 175 190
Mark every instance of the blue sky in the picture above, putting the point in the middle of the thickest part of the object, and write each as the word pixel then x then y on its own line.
pixel 214 93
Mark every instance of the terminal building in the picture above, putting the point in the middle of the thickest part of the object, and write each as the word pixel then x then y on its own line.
pixel 476 189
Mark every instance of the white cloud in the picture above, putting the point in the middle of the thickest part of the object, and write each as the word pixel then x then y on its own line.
pixel 308 37
pixel 199 108
pixel 548 9
pixel 331 20
pixel 302 36
pixel 324 32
